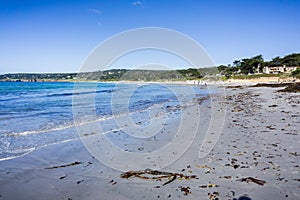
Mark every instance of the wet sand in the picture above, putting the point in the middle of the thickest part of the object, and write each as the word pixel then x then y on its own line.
pixel 255 157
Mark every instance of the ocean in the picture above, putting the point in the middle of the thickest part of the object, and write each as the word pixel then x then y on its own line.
pixel 34 115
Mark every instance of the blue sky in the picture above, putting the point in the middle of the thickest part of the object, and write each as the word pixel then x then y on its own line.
pixel 57 36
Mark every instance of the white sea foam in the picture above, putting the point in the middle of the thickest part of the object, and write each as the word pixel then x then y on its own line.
pixel 18 153
pixel 85 122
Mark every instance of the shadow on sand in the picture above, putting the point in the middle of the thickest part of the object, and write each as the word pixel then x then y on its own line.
pixel 242 198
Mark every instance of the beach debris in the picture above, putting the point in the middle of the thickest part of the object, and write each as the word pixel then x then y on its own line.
pixel 149 174
pixel 256 154
pixel 234 86
pixel 293 87
pixel 272 106
pixel 294 153
pixel 210 185
pixel 270 127
pixel 273 85
pixel 289 87
pixel 113 182
pixel 63 177
pixel 233 163
pixel 274 166
pixel 78 182
pixel 199 99
pixel 226 177
pixel 278 178
pixel 185 190
pixel 205 167
pixel 265 168
pixel 232 193
pixel 213 196
pixel 237 109
pixel 254 180
pixel 62 166
pixel 239 154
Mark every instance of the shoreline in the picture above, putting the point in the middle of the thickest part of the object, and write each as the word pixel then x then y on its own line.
pixel 256 157
pixel 274 79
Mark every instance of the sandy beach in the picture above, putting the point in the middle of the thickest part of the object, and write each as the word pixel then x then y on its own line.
pixel 253 133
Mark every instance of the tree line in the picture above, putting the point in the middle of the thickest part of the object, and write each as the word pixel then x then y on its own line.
pixel 256 64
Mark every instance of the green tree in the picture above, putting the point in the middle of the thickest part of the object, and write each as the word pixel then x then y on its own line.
pixel 277 61
pixel 251 65
pixel 296 73
pixel 291 60
pixel 222 69
pixel 237 63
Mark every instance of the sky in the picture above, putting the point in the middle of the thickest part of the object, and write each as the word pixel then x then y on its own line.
pixel 57 36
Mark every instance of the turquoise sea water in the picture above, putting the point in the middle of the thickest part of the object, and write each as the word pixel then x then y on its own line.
pixel 38 114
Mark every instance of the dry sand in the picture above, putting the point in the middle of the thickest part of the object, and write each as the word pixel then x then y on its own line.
pixel 255 157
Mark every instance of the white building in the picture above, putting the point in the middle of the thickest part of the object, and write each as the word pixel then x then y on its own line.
pixel 279 69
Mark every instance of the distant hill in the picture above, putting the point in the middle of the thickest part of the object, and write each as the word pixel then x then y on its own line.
pixel 115 75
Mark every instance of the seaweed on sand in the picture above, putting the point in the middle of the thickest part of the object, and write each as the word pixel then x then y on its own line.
pixel 254 180
pixel 273 85
pixel 62 166
pixel 289 87
pixel 295 87
pixel 149 174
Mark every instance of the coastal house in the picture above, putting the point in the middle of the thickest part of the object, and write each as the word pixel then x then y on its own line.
pixel 279 69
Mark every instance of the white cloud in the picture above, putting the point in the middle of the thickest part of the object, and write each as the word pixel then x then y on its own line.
pixel 95 11
pixel 137 3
